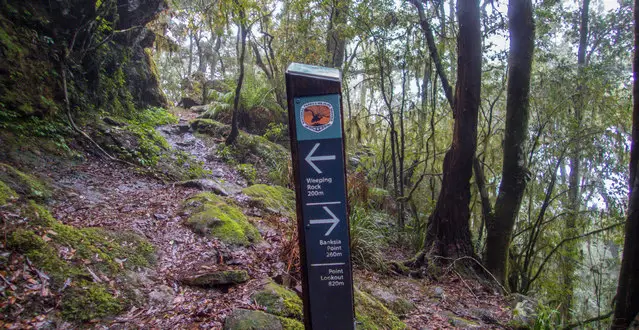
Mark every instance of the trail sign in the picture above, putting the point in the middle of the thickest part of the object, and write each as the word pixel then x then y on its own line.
pixel 317 148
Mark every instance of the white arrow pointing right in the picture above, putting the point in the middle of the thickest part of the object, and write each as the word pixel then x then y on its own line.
pixel 334 220
pixel 310 158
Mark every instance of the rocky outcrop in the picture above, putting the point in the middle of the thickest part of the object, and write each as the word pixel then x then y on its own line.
pixel 102 44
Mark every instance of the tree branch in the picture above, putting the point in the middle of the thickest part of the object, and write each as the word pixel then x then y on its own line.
pixel 590 320
pixel 434 54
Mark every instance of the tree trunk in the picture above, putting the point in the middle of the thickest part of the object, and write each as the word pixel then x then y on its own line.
pixel 448 232
pixel 574 178
pixel 335 41
pixel 240 79
pixel 627 306
pixel 188 70
pixel 514 173
pixel 214 56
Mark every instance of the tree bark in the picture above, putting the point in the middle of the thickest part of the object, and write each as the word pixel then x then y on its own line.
pixel 240 79
pixel 499 227
pixel 627 306
pixel 448 232
pixel 335 41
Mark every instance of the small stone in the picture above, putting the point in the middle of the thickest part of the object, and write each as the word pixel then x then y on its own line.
pixel 205 185
pixel 160 216
pixel 219 278
pixel 161 296
pixel 438 292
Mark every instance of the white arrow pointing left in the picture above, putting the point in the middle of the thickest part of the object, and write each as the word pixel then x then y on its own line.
pixel 333 220
pixel 310 158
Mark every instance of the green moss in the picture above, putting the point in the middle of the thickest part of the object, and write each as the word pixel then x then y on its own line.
pixel 25 240
pixel 243 319
pixel 112 249
pixel 211 215
pixel 108 251
pixel 290 324
pixel 279 301
pixel 86 301
pixel 6 193
pixel 275 198
pixel 22 183
pixel 248 172
pixel 66 253
pixel 43 255
pixel 372 314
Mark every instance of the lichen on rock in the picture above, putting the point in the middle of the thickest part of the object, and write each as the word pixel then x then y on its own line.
pixel 210 215
pixel 273 198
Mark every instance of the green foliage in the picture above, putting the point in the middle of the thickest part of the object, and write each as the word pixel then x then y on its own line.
pixel 547 318
pixel 6 193
pixel 247 171
pixel 368 239
pixel 276 132
pixel 258 106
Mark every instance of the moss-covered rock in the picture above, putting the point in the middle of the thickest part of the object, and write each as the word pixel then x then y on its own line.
pixel 87 301
pixel 395 303
pixel 213 216
pixel 6 193
pixel 24 184
pixel 290 324
pixel 280 301
pixel 134 138
pixel 219 278
pixel 273 198
pixel 244 319
pixel 70 256
pixel 373 315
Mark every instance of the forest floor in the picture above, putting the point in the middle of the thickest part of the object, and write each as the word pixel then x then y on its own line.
pixel 100 193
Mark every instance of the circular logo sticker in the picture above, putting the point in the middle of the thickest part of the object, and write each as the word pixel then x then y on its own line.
pixel 317 116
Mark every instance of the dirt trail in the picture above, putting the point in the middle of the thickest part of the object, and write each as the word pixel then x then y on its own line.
pixel 105 194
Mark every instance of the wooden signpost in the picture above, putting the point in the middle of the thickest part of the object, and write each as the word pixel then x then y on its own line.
pixel 317 146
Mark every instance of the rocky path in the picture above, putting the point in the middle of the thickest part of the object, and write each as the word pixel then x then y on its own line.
pixel 111 195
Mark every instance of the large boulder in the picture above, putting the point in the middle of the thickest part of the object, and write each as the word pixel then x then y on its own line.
pixel 211 215
pixel 279 301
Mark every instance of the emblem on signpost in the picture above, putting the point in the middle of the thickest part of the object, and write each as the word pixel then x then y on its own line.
pixel 317 116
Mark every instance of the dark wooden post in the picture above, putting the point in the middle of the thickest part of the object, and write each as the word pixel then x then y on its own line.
pixel 317 146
